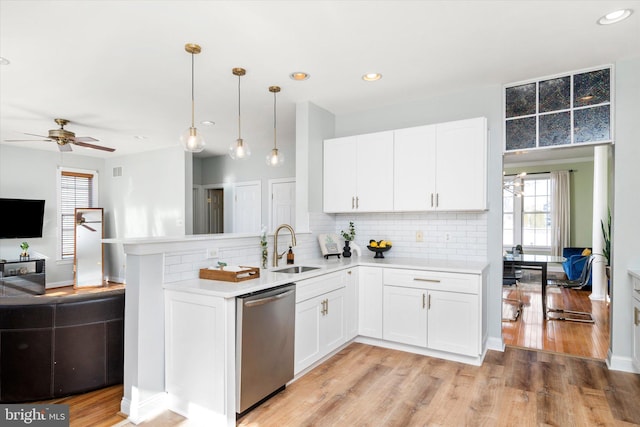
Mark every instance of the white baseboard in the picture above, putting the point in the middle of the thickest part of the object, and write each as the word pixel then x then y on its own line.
pixel 624 364
pixel 495 343
pixel 144 410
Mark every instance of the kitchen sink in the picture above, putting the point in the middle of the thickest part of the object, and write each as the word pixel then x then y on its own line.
pixel 296 269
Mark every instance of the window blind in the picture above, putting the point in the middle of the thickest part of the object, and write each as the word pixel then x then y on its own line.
pixel 76 191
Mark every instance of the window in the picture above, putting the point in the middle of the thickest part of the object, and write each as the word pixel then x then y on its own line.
pixel 77 189
pixel 527 218
pixel 566 110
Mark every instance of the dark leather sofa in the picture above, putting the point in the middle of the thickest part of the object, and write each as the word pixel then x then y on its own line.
pixel 58 346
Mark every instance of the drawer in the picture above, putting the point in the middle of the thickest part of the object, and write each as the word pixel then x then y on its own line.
pixel 433 280
pixel 310 288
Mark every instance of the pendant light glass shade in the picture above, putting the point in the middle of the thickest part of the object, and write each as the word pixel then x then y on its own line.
pixel 239 149
pixel 190 140
pixel 275 158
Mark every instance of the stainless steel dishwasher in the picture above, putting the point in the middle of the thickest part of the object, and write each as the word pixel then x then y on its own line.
pixel 265 335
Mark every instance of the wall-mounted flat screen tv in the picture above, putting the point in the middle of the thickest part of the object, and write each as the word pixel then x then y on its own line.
pixel 21 218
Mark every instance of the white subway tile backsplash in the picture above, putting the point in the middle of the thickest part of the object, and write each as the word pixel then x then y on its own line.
pixel 467 232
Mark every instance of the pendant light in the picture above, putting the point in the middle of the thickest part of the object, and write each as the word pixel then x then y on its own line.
pixel 190 139
pixel 275 158
pixel 239 149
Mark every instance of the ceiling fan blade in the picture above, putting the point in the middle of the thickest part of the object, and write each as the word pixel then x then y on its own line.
pixel 87 227
pixel 85 139
pixel 64 147
pixel 33 134
pixel 97 147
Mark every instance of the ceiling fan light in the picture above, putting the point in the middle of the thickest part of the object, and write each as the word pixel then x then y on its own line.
pixel 275 158
pixel 239 150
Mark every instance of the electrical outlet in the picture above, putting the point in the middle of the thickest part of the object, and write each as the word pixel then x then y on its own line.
pixel 212 253
pixel 447 237
pixel 419 236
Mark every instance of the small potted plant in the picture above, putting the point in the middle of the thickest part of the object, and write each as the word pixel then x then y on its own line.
pixel 25 250
pixel 348 236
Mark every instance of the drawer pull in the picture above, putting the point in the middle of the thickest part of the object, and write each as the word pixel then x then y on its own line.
pixel 636 316
pixel 419 279
pixel 424 304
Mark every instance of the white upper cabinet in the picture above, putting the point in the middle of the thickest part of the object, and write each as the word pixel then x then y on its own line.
pixel 461 170
pixel 358 173
pixel 424 168
pixel 441 167
pixel 414 165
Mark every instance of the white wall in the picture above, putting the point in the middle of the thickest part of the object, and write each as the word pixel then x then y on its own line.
pixel 148 200
pixel 31 174
pixel 626 205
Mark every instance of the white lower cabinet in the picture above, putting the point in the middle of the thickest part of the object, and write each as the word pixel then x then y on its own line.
pixel 320 318
pixel 436 310
pixel 351 303
pixel 635 280
pixel 370 302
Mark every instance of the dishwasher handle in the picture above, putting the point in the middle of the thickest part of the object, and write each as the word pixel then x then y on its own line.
pixel 266 300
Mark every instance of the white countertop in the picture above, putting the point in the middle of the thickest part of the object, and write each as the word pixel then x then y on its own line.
pixel 270 279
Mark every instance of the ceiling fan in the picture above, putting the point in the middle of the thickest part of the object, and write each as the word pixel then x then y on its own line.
pixel 65 138
pixel 82 221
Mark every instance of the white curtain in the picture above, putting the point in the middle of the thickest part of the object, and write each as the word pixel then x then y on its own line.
pixel 560 211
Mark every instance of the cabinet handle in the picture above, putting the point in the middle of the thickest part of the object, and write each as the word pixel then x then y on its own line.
pixel 353 202
pixel 327 305
pixel 420 279
pixel 324 309
pixel 636 316
pixel 357 202
pixel 437 199
pixel 424 303
pixel 431 199
pixel 429 302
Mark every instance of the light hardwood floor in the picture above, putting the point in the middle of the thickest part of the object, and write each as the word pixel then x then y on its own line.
pixel 364 385
pixel 531 331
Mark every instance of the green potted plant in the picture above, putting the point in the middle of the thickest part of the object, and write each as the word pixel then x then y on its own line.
pixel 348 237
pixel 25 250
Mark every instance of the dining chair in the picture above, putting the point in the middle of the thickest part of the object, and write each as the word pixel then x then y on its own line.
pixel 574 316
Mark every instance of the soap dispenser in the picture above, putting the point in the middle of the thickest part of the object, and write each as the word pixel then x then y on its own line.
pixel 290 256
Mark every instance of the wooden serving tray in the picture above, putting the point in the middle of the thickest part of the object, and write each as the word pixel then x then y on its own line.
pixel 246 273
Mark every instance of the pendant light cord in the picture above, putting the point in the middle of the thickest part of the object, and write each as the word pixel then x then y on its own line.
pixel 192 96
pixel 239 134
pixel 275 145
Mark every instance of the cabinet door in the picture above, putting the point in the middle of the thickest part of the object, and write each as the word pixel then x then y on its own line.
pixel 307 344
pixel 461 175
pixel 339 174
pixel 636 334
pixel 374 166
pixel 414 179
pixel 351 303
pixel 332 322
pixel 405 315
pixel 370 302
pixel 453 322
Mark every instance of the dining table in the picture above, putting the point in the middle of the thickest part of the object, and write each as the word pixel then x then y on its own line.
pixel 534 262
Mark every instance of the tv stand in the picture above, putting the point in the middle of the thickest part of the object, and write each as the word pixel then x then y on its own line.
pixel 22 277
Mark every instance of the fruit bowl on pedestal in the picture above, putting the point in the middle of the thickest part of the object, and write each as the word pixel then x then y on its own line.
pixel 379 250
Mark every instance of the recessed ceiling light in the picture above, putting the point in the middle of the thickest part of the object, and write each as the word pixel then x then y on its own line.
pixel 4 61
pixel 140 136
pixel 299 76
pixel 208 122
pixel 372 77
pixel 614 17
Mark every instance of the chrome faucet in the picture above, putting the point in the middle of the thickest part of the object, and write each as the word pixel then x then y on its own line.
pixel 276 255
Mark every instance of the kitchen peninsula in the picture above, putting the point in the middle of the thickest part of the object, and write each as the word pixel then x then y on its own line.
pixel 180 333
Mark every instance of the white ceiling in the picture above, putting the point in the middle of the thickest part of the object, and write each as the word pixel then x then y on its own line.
pixel 118 69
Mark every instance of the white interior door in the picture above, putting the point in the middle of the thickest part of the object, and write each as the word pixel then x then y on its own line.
pixel 283 202
pixel 248 207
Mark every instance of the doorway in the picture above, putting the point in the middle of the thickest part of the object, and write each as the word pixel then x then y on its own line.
pixel 530 329
pixel 214 213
